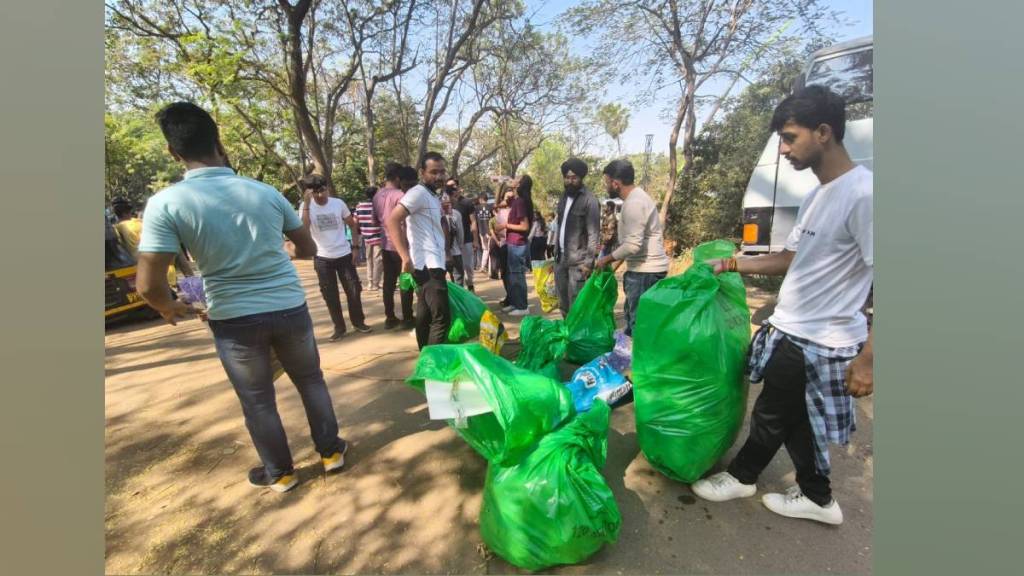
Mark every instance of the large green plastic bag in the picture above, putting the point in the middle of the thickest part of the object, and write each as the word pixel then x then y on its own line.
pixel 554 506
pixel 467 309
pixel 586 333
pixel 689 350
pixel 590 323
pixel 525 405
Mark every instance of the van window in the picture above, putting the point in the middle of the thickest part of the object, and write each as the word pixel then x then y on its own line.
pixel 850 75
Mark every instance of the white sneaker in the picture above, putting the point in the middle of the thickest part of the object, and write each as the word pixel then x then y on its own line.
pixel 508 308
pixel 722 487
pixel 516 312
pixel 794 504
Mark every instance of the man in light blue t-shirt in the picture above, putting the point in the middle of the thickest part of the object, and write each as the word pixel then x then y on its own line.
pixel 233 227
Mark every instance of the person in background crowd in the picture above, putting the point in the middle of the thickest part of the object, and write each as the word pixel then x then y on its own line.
pixel 815 352
pixel 552 236
pixel 609 228
pixel 500 253
pixel 397 179
pixel 483 223
pixel 325 217
pixel 467 210
pixel 451 223
pixel 370 232
pixel 256 305
pixel 538 236
pixel 516 242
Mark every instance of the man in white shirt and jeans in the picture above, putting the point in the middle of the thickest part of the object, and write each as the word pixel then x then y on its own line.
pixel 815 352
pixel 325 217
pixel 422 249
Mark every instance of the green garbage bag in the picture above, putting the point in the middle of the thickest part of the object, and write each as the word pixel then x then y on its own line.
pixel 586 333
pixel 689 351
pixel 553 507
pixel 467 309
pixel 524 406
pixel 406 282
pixel 590 323
pixel 467 312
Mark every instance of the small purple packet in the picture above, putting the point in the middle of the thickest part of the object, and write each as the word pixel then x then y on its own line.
pixel 192 290
pixel 621 356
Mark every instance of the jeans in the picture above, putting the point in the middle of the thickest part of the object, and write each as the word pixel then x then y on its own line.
pixel 392 264
pixel 484 254
pixel 518 264
pixel 468 262
pixel 374 265
pixel 569 280
pixel 634 284
pixel 329 271
pixel 244 345
pixel 456 268
pixel 433 316
pixel 780 417
pixel 501 256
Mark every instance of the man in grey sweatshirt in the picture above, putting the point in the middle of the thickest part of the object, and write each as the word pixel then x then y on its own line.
pixel 640 242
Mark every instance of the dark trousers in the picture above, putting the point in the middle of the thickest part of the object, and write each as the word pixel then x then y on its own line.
pixel 634 284
pixel 502 255
pixel 329 271
pixel 780 417
pixel 244 346
pixel 433 316
pixel 538 246
pixel 455 266
pixel 392 269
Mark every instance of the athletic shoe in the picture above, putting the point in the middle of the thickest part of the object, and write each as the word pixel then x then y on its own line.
pixel 794 504
pixel 336 460
pixel 508 308
pixel 363 328
pixel 519 312
pixel 392 323
pixel 409 325
pixel 258 477
pixel 338 335
pixel 722 487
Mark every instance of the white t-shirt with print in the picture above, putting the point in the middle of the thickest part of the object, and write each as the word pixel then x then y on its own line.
pixel 831 273
pixel 327 227
pixel 423 228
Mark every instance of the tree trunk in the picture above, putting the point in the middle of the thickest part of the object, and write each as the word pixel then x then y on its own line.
pixel 673 161
pixel 371 140
pixel 297 87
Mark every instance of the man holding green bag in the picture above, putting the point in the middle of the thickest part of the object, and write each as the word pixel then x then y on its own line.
pixel 640 243
pixel 815 352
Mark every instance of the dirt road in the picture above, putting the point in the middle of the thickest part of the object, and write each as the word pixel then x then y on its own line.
pixel 177 453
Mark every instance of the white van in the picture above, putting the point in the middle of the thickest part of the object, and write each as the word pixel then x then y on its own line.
pixel 776 189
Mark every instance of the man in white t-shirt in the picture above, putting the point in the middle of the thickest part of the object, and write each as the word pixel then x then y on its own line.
pixel 422 249
pixel 815 352
pixel 326 218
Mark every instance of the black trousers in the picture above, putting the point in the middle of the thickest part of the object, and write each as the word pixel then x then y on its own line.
pixel 780 417
pixel 329 271
pixel 433 316
pixel 392 264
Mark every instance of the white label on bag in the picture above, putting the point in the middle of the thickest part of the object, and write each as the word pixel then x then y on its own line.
pixel 448 400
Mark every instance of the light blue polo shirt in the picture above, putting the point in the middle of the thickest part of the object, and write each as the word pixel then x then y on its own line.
pixel 233 226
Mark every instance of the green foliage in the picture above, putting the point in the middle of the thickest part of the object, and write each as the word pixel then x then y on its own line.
pixel 614 118
pixel 707 203
pixel 137 161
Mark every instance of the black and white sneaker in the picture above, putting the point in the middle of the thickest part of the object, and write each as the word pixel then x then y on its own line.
pixel 363 328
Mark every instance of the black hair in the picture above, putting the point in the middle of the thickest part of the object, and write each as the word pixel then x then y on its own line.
pixel 435 156
pixel 525 191
pixel 312 181
pixel 391 171
pixel 122 209
pixel 453 179
pixel 370 191
pixel 811 107
pixel 189 130
pixel 621 170
pixel 407 174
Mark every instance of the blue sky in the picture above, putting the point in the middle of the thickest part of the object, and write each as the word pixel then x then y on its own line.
pixel 648 120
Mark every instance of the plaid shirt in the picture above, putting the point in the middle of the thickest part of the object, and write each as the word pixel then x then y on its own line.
pixel 829 408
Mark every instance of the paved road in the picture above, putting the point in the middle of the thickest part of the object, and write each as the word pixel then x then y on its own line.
pixel 177 453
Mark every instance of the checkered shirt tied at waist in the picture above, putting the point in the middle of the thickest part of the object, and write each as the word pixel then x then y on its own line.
pixel 829 408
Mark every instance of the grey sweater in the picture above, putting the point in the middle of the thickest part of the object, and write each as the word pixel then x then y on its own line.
pixel 641 244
